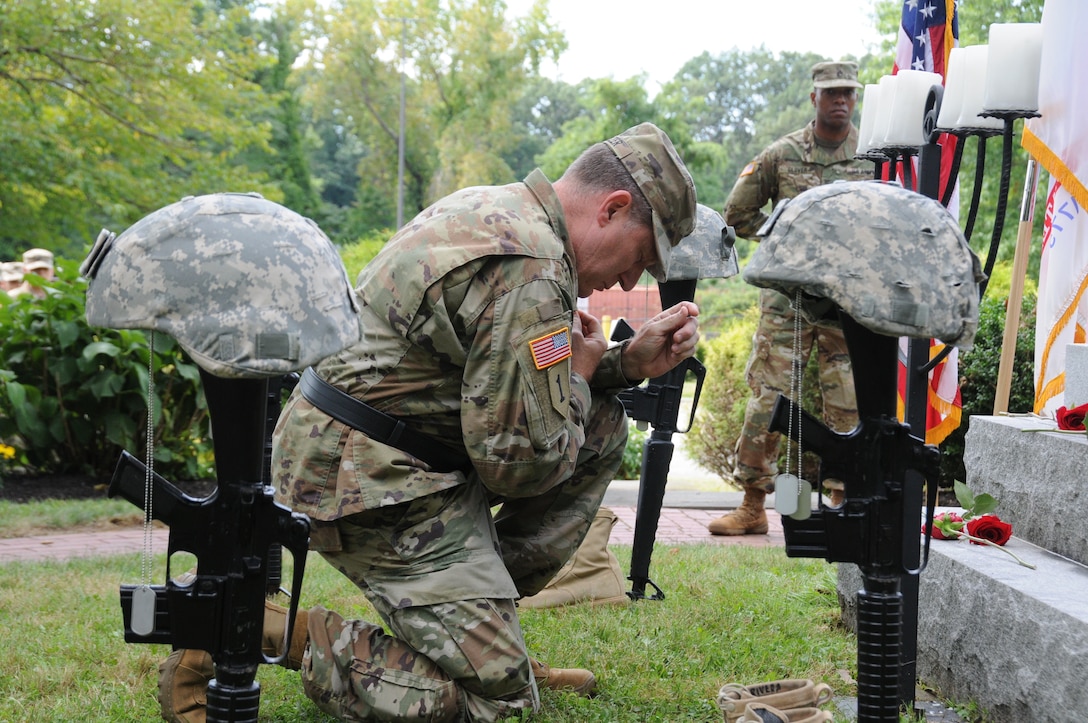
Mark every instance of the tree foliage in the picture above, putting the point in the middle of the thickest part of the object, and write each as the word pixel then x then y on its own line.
pixel 113 108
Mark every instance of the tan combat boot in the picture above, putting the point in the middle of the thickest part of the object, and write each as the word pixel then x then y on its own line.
pixel 794 696
pixel 183 686
pixel 748 519
pixel 275 624
pixel 184 676
pixel 574 680
pixel 591 576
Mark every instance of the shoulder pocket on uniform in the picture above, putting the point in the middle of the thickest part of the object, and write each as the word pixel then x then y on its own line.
pixel 543 351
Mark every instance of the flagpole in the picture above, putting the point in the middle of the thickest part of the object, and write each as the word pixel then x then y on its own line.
pixel 1016 289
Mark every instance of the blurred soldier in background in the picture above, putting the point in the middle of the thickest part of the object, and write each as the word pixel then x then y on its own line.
pixel 40 263
pixel 11 275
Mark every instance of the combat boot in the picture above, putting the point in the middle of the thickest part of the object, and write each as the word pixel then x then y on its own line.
pixel 183 686
pixel 591 576
pixel 574 680
pixel 275 624
pixel 748 519
pixel 791 696
pixel 185 674
pixel 763 713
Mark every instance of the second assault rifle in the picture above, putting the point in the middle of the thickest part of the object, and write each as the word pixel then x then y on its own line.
pixel 236 534
pixel 657 403
pixel 871 528
pixel 706 253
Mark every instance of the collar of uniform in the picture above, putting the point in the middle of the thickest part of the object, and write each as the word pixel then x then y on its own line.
pixel 541 187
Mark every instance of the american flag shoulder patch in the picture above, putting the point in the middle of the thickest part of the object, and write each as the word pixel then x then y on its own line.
pixel 551 348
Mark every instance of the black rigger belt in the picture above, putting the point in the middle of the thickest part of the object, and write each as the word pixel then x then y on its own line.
pixel 377 425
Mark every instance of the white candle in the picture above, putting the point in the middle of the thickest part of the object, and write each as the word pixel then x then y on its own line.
pixel 870 101
pixel 883 112
pixel 952 101
pixel 974 84
pixel 909 108
pixel 1012 77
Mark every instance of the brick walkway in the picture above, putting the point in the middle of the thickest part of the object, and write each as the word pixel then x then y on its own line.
pixel 675 526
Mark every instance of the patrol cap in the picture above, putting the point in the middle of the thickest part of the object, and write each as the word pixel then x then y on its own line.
pixel 894 260
pixel 248 287
pixel 835 74
pixel 37 259
pixel 707 252
pixel 11 271
pixel 652 161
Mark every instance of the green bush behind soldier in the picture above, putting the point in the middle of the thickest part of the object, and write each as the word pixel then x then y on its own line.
pixel 820 152
pixel 472 338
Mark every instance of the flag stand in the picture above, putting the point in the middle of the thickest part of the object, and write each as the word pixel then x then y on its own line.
pixel 1016 289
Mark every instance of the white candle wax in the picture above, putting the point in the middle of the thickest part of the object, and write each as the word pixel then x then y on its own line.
pixel 909 108
pixel 870 101
pixel 974 84
pixel 952 101
pixel 883 112
pixel 1012 75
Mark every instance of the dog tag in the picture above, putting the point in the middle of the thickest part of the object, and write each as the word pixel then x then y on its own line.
pixel 804 501
pixel 143 610
pixel 785 493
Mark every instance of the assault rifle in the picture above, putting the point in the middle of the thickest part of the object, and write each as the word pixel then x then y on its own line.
pixel 874 528
pixel 706 253
pixel 657 404
pixel 236 534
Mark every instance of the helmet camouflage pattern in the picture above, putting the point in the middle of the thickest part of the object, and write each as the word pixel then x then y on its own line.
pixel 248 287
pixel 894 260
pixel 707 253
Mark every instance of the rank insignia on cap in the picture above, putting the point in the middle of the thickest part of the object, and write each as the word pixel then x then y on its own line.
pixel 551 349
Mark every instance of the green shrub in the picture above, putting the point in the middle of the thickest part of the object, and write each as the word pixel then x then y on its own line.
pixel 73 396
pixel 978 376
pixel 631 468
pixel 725 393
pixel 357 255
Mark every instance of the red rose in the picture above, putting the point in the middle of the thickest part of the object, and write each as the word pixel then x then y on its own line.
pixel 991 528
pixel 1072 418
pixel 947 520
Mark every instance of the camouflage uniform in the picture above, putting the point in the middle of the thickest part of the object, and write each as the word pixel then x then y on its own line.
pixel 452 308
pixel 790 165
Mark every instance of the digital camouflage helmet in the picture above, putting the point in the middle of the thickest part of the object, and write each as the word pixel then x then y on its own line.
pixel 248 287
pixel 894 260
pixel 707 252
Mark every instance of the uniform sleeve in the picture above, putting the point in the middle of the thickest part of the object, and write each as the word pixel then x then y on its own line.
pixel 755 186
pixel 523 410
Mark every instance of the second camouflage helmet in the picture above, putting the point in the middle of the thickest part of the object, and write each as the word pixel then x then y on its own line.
pixel 892 259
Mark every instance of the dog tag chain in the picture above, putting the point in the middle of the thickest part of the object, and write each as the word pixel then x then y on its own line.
pixel 792 494
pixel 143 597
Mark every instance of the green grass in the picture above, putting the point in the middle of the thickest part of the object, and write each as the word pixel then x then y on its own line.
pixel 730 614
pixel 44 517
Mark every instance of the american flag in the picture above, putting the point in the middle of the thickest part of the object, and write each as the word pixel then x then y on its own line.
pixel 550 349
pixel 927 35
pixel 928 32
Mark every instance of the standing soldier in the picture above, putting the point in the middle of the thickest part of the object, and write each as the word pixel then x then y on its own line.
pixel 821 152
